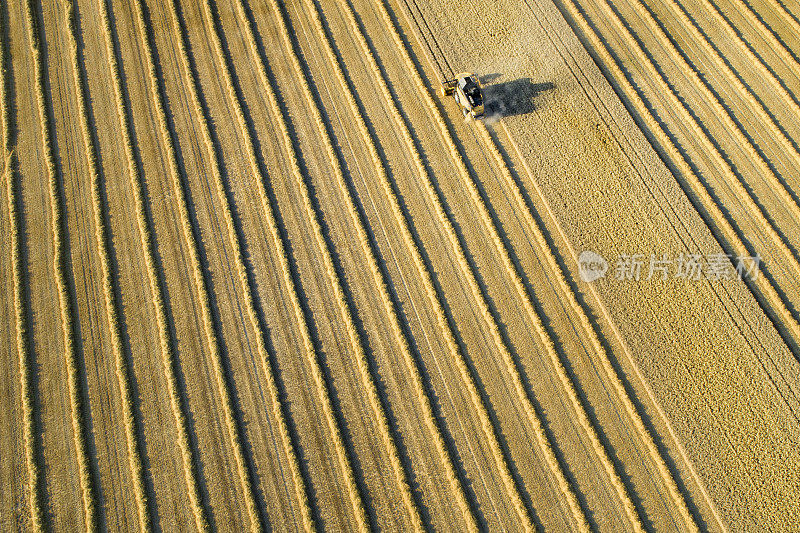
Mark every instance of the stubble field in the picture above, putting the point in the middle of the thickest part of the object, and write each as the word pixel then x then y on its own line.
pixel 258 274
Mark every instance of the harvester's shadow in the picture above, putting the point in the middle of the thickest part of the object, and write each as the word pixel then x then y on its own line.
pixel 509 98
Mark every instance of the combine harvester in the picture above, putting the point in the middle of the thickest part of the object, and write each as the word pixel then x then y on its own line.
pixel 466 89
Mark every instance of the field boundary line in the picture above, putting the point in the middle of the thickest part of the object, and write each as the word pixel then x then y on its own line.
pixel 488 314
pixel 342 455
pixel 60 266
pixel 233 420
pixel 253 312
pixel 744 142
pixel 103 236
pixel 523 292
pixel 148 242
pixel 10 174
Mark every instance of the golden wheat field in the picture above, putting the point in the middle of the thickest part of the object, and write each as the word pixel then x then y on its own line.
pixel 260 274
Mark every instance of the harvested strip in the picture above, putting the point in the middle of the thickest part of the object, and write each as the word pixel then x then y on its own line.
pixel 380 168
pixel 541 436
pixel 310 351
pixel 380 281
pixel 226 395
pixel 480 406
pixel 135 456
pixel 147 238
pixel 769 34
pixel 252 310
pixel 21 318
pixel 534 316
pixel 787 15
pixel 60 262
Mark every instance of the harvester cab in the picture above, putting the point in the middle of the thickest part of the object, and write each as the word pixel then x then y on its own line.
pixel 466 90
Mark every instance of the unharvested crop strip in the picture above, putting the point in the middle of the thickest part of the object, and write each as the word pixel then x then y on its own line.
pixel 102 236
pixel 380 282
pixel 148 242
pixel 60 266
pixel 253 311
pixel 590 330
pixel 214 343
pixel 753 103
pixel 541 436
pixel 21 318
pixel 675 494
pixel 310 351
pixel 742 140
pixel 544 336
pixel 524 206
pixel 715 218
pixel 698 185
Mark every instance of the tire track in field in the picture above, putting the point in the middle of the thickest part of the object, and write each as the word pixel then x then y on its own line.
pixel 110 289
pixel 233 421
pixel 21 303
pixel 255 313
pixel 743 140
pixel 700 187
pixel 489 314
pixel 377 402
pixel 527 299
pixel 179 408
pixel 256 165
pixel 61 267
